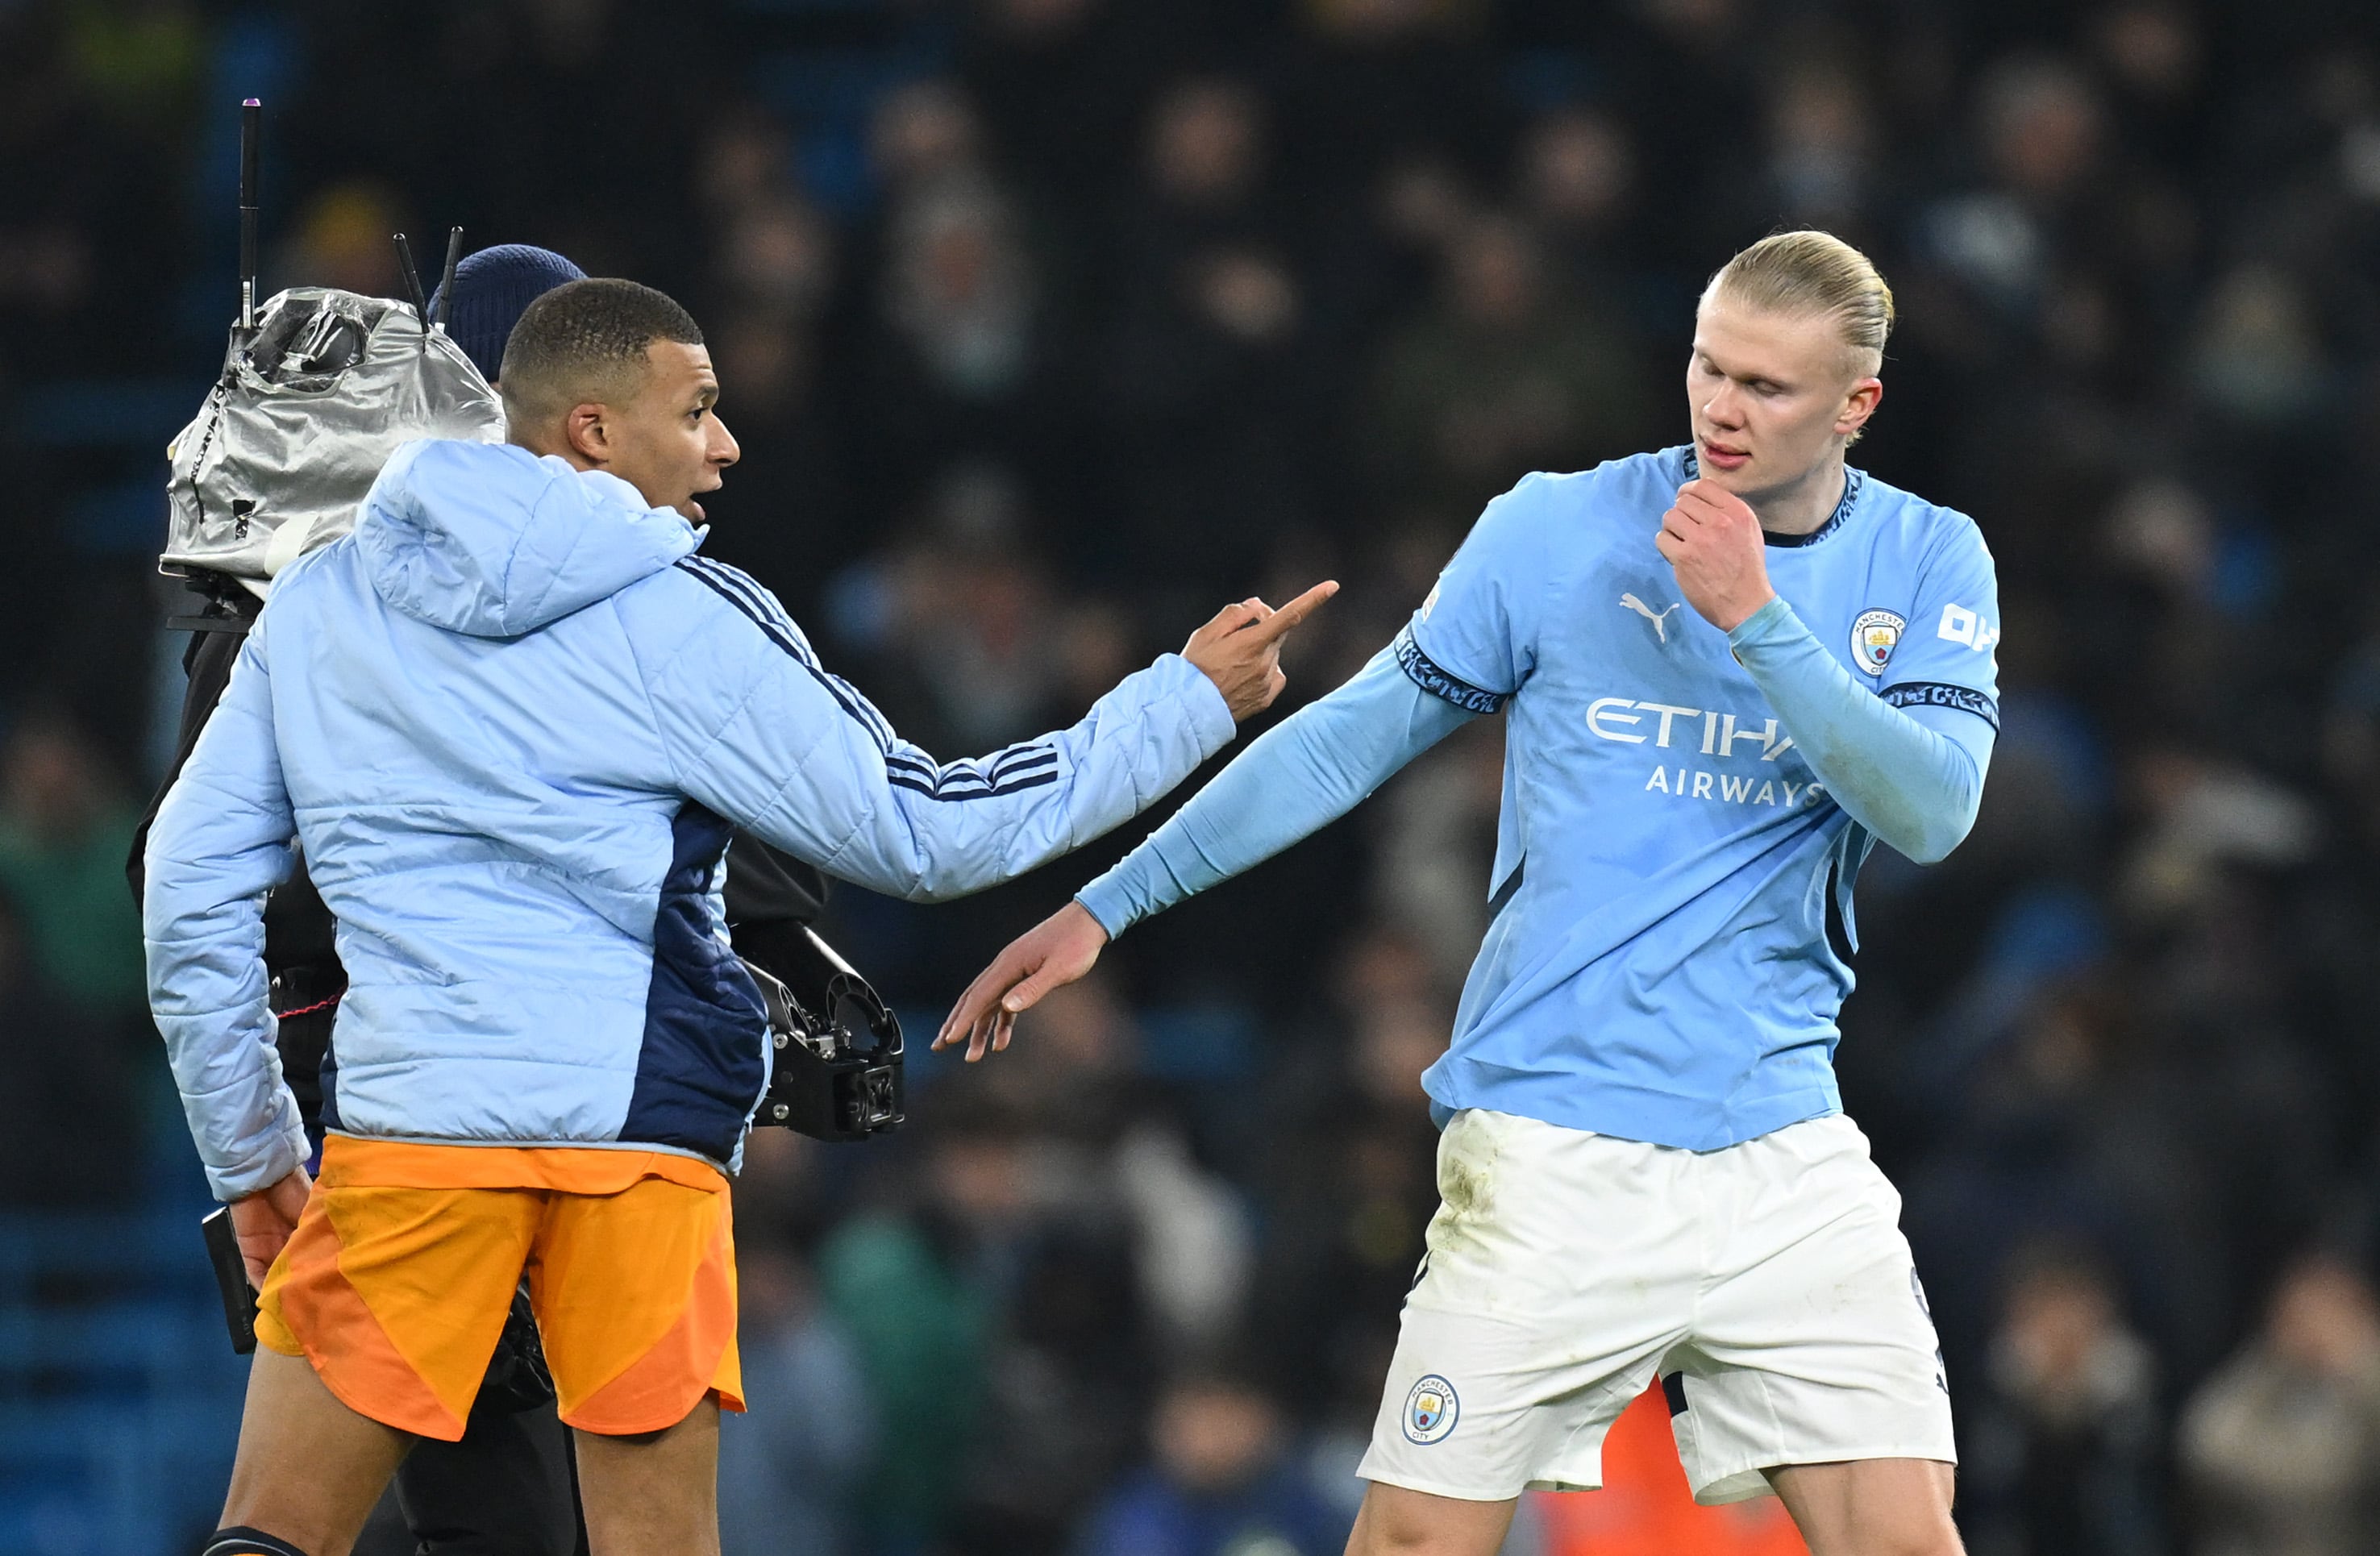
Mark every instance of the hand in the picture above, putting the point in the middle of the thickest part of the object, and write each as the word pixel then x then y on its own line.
pixel 1712 538
pixel 1240 650
pixel 1052 954
pixel 263 1221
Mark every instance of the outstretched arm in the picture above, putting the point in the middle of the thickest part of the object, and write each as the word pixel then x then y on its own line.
pixel 1294 781
pixel 757 731
pixel 1304 774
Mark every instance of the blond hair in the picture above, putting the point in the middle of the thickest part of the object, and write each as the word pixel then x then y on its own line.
pixel 1812 272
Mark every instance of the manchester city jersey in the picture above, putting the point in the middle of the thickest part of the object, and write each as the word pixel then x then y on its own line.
pixel 1659 966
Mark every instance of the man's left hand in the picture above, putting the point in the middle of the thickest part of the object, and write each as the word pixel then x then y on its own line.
pixel 1712 538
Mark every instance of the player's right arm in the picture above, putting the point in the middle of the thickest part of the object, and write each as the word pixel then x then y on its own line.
pixel 1467 650
pixel 1296 779
pixel 760 733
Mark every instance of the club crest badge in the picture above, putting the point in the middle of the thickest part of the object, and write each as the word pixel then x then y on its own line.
pixel 1430 1410
pixel 1874 636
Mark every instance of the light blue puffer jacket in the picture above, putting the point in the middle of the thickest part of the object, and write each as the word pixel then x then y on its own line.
pixel 510 719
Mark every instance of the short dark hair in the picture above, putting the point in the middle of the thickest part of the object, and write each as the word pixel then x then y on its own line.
pixel 584 342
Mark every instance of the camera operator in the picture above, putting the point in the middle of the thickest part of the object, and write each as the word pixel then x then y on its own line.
pixel 512 717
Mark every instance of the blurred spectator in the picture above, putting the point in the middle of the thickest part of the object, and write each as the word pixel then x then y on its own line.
pixel 2184 598
pixel 1075 1078
pixel 138 63
pixel 963 361
pixel 906 1288
pixel 788 1467
pixel 2155 54
pixel 1202 376
pixel 63 834
pixel 1577 180
pixel 1349 1176
pixel 2202 816
pixel 1822 169
pixel 960 292
pixel 2065 1462
pixel 1065 80
pixel 778 257
pixel 1578 173
pixel 2257 358
pixel 2041 140
pixel 1223 1481
pixel 1438 842
pixel 1502 376
pixel 44 268
pixel 1380 78
pixel 75 1098
pixel 925 133
pixel 958 624
pixel 343 240
pixel 775 271
pixel 2281 1447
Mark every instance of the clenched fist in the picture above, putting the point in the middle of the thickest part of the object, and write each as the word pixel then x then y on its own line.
pixel 1712 539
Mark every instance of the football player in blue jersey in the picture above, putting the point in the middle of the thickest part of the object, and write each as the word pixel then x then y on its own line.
pixel 1644 1169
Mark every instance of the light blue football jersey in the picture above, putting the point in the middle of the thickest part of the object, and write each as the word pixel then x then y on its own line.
pixel 1659 966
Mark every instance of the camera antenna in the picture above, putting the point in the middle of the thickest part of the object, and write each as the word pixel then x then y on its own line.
pixel 413 282
pixel 251 116
pixel 446 283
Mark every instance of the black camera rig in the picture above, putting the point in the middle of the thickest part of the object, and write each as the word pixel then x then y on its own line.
pixel 837 1072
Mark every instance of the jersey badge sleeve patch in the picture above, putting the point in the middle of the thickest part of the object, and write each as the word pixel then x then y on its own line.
pixel 1874 636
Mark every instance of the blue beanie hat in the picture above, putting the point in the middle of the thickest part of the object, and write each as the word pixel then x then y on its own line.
pixel 492 288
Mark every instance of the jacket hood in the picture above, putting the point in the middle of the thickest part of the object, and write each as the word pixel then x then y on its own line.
pixel 492 540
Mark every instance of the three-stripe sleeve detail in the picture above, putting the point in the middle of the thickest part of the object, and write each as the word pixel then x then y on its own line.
pixel 1026 766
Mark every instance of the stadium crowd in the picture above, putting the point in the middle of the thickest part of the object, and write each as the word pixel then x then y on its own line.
pixel 1045 326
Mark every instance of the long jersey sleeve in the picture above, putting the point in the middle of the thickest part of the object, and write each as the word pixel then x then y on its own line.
pixel 1913 776
pixel 1310 770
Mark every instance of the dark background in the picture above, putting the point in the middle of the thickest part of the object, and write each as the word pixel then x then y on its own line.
pixel 1049 325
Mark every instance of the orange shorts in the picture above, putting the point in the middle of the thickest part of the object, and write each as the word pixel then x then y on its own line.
pixel 397 1282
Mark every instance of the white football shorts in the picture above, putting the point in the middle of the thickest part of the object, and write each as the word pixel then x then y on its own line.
pixel 1767 1285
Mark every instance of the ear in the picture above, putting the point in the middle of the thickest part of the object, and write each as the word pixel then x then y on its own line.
pixel 588 431
pixel 1858 405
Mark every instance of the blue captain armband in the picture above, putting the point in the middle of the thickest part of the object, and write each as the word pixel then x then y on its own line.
pixel 1425 674
pixel 1941 694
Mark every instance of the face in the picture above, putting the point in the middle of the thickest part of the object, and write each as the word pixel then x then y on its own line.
pixel 1772 395
pixel 666 440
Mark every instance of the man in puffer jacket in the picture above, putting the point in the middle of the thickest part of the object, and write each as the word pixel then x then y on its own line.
pixel 512 718
pixel 504 1486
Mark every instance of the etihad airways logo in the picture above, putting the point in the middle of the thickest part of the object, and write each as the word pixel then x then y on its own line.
pixel 1669 725
pixel 1665 723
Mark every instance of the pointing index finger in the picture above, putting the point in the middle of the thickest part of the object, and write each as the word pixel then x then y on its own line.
pixel 1281 622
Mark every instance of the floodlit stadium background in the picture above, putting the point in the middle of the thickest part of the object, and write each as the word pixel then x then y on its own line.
pixel 1046 326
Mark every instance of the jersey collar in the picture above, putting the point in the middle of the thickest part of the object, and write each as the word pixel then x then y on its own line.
pixel 1853 479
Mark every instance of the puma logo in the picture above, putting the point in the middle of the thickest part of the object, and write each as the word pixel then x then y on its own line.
pixel 1661 622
